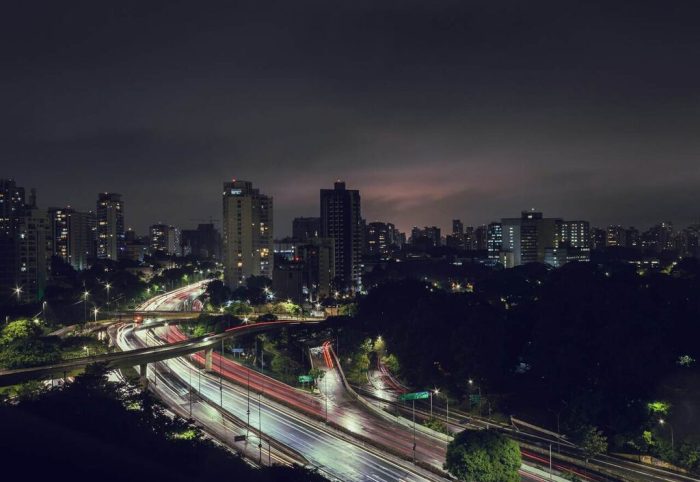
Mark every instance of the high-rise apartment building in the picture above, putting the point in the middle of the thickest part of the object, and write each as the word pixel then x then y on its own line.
pixel 11 203
pixel 433 234
pixel 480 238
pixel 616 236
pixel 575 240
pixel 24 244
pixel 575 234
pixel 381 239
pixel 305 229
pixel 341 221
pixel 11 206
pixel 526 239
pixel 158 238
pixel 318 258
pixel 658 238
pixel 247 233
pixel 203 242
pixel 457 226
pixel 32 250
pixel 111 243
pixel 165 239
pixel 494 240
pixel 72 236
pixel 598 238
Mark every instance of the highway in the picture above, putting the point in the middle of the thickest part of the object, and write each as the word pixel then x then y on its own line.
pixel 342 409
pixel 383 390
pixel 333 453
pixel 173 300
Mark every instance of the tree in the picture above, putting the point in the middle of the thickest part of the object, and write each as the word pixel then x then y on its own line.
pixel 317 374
pixel 483 456
pixel 19 330
pixel 592 441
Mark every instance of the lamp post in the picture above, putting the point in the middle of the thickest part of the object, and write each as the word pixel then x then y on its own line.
pixel 431 404
pixel 85 297
pixel 108 287
pixel 87 350
pixel 325 389
pixel 436 391
pixel 478 387
pixel 221 376
pixel 18 292
pixel 663 422
pixel 95 311
pixel 414 430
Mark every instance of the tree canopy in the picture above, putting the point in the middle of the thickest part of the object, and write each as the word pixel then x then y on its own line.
pixel 483 456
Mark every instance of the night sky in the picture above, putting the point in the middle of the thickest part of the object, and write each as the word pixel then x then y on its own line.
pixel 434 109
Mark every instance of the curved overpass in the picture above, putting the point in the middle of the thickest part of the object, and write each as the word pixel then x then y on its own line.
pixel 140 356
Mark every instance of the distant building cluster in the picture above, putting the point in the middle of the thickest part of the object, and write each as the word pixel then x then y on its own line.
pixel 327 255
pixel 34 241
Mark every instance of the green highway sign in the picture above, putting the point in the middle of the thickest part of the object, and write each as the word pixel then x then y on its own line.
pixel 306 379
pixel 475 399
pixel 414 396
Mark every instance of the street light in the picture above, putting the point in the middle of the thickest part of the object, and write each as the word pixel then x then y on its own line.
pixel 87 349
pixel 85 297
pixel 436 391
pixel 17 291
pixel 662 422
pixel 108 287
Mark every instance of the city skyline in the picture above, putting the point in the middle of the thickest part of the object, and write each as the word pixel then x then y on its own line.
pixel 284 227
pixel 396 240
pixel 495 109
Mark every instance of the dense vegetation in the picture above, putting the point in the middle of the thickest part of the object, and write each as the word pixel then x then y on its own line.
pixel 23 343
pixel 483 455
pixel 591 345
pixel 94 429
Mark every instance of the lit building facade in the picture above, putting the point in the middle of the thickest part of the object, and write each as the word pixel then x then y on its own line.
pixel 111 242
pixel 72 236
pixel 341 221
pixel 247 233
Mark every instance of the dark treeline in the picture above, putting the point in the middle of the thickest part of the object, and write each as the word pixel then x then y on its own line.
pixel 94 429
pixel 590 344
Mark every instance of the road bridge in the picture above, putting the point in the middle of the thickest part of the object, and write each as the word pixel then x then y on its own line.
pixel 140 357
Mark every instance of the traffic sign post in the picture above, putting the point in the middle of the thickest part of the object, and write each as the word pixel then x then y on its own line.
pixel 305 379
pixel 414 396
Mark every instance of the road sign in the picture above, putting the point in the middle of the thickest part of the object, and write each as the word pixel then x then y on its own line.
pixel 475 399
pixel 239 438
pixel 237 350
pixel 306 379
pixel 414 396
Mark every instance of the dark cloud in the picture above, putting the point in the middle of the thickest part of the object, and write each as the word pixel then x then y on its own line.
pixel 432 109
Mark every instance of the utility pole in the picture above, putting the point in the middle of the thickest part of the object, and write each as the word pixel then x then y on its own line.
pixel 221 376
pixel 325 389
pixel 414 431
pixel 247 428
pixel 550 461
pixel 191 390
pixel 447 414
pixel 260 427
